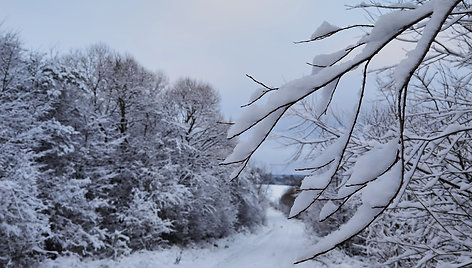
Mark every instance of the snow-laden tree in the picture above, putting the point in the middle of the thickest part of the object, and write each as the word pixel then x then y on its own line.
pixel 196 106
pixel 30 139
pixel 23 226
pixel 151 149
pixel 11 59
pixel 115 108
pixel 217 208
pixel 376 174
pixel 97 159
pixel 72 216
pixel 431 223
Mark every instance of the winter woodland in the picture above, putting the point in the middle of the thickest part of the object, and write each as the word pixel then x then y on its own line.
pixel 101 158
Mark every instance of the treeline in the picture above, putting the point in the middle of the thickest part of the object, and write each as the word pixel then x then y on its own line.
pixel 101 157
pixel 282 179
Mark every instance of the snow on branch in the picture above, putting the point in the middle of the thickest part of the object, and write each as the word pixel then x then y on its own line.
pixel 326 30
pixel 379 5
pixel 385 30
pixel 374 197
pixel 379 185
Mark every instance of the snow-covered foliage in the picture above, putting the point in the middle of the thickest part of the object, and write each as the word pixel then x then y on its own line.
pixel 436 204
pixel 97 159
pixel 273 245
pixel 414 161
pixel 22 225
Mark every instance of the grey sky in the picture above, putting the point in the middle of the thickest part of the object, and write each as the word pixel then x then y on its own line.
pixel 211 40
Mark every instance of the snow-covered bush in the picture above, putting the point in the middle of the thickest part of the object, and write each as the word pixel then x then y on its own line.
pixel 249 198
pixel 22 226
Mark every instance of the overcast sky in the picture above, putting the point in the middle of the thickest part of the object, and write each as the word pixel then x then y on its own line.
pixel 216 41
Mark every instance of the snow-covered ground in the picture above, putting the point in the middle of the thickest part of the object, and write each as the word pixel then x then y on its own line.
pixel 274 192
pixel 278 244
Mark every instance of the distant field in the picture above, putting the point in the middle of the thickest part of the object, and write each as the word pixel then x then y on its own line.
pixel 274 192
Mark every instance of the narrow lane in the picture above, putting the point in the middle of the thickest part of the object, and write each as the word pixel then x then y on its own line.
pixel 278 246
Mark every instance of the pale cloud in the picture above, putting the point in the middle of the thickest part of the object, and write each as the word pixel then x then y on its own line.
pixel 234 14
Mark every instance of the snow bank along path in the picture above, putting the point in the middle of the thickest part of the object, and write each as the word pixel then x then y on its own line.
pixel 276 245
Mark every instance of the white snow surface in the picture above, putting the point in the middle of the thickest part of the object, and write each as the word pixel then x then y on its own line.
pixel 369 166
pixel 327 210
pixel 377 194
pixel 407 66
pixel 275 192
pixel 324 29
pixel 278 244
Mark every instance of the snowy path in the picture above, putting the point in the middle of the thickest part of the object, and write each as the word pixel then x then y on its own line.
pixel 276 245
pixel 279 244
